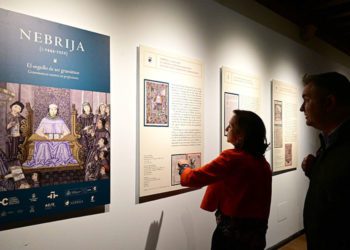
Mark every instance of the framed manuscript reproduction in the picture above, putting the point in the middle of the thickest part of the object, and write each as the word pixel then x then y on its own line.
pixel 156 103
pixel 55 128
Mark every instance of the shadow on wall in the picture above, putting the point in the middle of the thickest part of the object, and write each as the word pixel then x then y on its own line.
pixel 188 224
pixel 153 233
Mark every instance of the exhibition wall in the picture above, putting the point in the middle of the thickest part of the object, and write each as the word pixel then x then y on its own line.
pixel 215 35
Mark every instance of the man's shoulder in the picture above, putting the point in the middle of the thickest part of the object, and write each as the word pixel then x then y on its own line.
pixel 344 133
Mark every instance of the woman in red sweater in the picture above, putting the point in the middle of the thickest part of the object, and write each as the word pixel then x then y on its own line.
pixel 239 185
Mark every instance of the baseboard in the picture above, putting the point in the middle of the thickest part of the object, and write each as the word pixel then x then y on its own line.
pixel 285 241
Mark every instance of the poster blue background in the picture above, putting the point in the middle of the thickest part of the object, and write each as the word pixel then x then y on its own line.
pixel 93 64
pixel 52 200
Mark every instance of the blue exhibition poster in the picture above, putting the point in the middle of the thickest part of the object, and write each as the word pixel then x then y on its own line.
pixel 55 128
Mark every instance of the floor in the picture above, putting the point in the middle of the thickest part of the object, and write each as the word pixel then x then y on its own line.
pixel 296 244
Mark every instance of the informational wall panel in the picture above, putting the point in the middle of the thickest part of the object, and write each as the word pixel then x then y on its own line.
pixel 170 120
pixel 238 91
pixel 284 127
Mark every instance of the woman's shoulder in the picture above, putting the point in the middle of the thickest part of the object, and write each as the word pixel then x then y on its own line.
pixel 233 151
pixel 240 154
pixel 232 154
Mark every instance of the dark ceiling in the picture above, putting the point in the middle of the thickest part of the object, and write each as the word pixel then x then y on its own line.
pixel 329 20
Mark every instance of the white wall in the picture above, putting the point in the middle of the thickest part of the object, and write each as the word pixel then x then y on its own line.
pixel 201 29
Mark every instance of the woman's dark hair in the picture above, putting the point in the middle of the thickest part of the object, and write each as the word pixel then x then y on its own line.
pixel 253 128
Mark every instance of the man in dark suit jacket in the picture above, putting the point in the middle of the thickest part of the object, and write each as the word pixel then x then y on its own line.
pixel 327 205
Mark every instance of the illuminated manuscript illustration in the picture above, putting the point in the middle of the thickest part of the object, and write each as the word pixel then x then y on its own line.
pixel 288 154
pixel 157 103
pixel 194 161
pixel 277 124
pixel 278 112
pixel 53 131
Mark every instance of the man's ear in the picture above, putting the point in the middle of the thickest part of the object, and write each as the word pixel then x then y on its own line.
pixel 330 103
